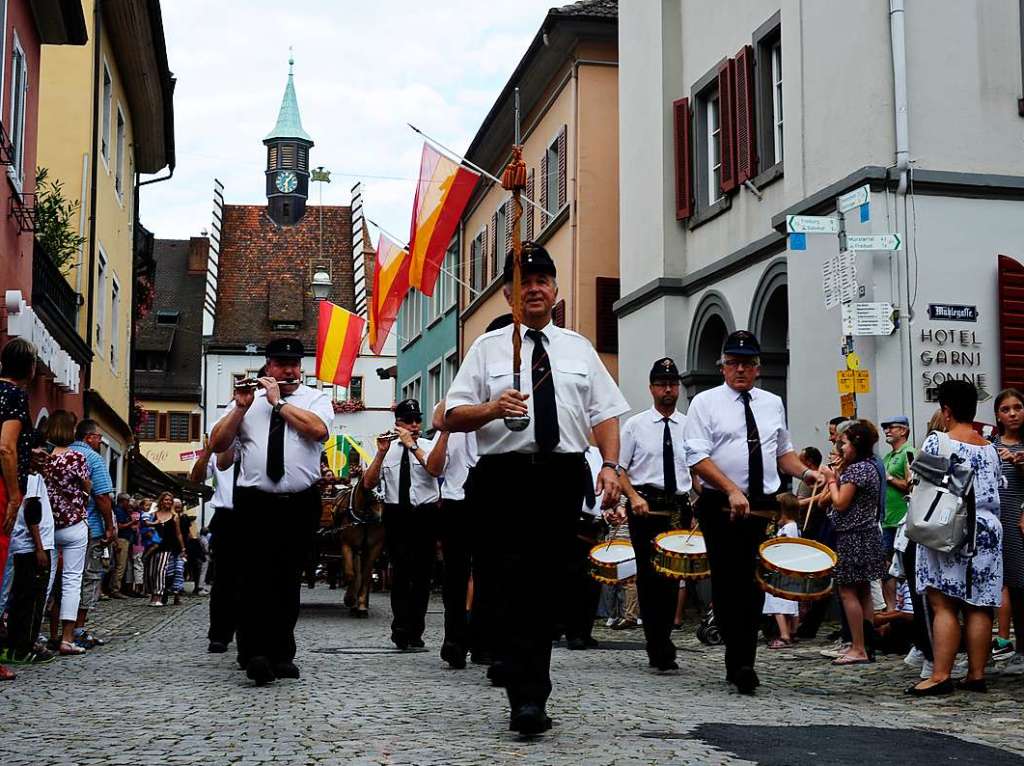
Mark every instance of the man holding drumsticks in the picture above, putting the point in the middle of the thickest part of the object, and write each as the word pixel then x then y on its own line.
pixel 737 444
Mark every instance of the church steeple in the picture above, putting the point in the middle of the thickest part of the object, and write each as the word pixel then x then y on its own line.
pixel 288 148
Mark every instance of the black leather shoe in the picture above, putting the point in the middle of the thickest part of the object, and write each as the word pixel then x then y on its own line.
pixel 416 643
pixel 454 655
pixel 938 690
pixel 591 642
pixel 481 657
pixel 575 644
pixel 400 640
pixel 496 674
pixel 746 680
pixel 286 670
pixel 664 664
pixel 972 685
pixel 217 647
pixel 259 670
pixel 529 720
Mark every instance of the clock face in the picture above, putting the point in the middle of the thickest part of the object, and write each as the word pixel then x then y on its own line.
pixel 286 181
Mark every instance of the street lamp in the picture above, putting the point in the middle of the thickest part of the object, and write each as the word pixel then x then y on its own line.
pixel 321 285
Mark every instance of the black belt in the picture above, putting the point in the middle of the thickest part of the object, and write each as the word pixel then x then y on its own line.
pixel 653 494
pixel 303 494
pixel 531 458
pixel 761 505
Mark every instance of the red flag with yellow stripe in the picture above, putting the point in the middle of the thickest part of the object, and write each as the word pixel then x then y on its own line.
pixel 390 284
pixel 443 190
pixel 338 336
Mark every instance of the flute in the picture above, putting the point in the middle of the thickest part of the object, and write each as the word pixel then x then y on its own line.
pixel 254 383
pixel 389 435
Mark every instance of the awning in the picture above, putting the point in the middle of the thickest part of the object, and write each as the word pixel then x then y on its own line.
pixel 146 478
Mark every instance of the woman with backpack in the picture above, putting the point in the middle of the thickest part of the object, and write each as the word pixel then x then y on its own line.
pixel 958 580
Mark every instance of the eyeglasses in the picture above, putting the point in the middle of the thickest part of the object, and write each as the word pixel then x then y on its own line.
pixel 741 364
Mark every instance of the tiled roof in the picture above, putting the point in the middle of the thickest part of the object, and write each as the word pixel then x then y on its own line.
pixel 608 9
pixel 175 290
pixel 265 272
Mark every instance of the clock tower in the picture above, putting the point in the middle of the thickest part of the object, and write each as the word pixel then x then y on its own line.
pixel 287 172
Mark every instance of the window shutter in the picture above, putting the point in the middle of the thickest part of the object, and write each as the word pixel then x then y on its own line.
pixel 727 123
pixel 193 428
pixel 607 339
pixel 544 189
pixel 563 145
pixel 509 212
pixel 1011 322
pixel 162 427
pixel 558 314
pixel 493 246
pixel 681 135
pixel 746 138
pixel 528 209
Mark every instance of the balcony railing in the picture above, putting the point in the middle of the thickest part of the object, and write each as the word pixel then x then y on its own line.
pixel 50 289
pixel 23 211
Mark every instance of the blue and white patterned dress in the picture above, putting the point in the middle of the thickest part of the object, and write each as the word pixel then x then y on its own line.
pixel 947 572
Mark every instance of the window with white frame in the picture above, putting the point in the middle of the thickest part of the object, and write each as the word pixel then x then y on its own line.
pixel 355 388
pixel 550 181
pixel 115 322
pixel 500 243
pixel 449 286
pixel 451 366
pixel 435 304
pixel 413 389
pixel 435 388
pixel 477 267
pixel 119 155
pixel 108 103
pixel 776 56
pixel 713 143
pixel 19 88
pixel 767 44
pixel 707 133
pixel 3 25
pixel 100 299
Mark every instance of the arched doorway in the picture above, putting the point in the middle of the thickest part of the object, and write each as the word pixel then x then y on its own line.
pixel 712 323
pixel 769 321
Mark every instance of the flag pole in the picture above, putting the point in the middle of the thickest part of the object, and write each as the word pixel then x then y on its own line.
pixel 406 247
pixel 513 179
pixel 476 167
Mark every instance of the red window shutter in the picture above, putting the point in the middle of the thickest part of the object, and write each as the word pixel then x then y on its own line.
pixel 544 189
pixel 681 135
pixel 528 209
pixel 162 427
pixel 563 150
pixel 746 138
pixel 510 207
pixel 493 245
pixel 1011 322
pixel 727 124
pixel 607 339
pixel 193 428
pixel 558 314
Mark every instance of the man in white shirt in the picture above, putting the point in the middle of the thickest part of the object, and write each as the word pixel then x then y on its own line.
pixel 409 466
pixel 535 475
pixel 737 444
pixel 280 430
pixel 653 457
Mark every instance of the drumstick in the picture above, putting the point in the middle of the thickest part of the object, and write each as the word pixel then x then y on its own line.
pixel 814 503
pixel 611 535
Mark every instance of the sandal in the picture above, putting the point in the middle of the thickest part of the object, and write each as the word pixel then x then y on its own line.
pixel 848 660
pixel 779 643
pixel 67 648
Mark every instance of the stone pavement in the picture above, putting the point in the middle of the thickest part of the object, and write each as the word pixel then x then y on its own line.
pixel 154 696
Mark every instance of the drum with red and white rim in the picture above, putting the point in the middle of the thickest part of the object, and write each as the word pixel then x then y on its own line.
pixel 795 568
pixel 613 563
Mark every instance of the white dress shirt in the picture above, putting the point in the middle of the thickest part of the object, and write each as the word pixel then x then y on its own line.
pixel 461 457
pixel 640 450
pixel 301 455
pixel 593 456
pixel 223 483
pixel 422 486
pixel 585 394
pixel 716 428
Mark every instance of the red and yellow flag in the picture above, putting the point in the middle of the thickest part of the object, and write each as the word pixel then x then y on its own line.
pixel 390 284
pixel 443 190
pixel 338 336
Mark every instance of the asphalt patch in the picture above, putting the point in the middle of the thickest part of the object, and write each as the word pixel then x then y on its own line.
pixel 846 745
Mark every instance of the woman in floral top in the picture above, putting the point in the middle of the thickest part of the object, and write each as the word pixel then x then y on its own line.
pixel 68 485
pixel 854 496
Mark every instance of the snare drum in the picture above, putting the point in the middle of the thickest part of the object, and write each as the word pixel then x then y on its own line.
pixel 613 563
pixel 796 569
pixel 681 554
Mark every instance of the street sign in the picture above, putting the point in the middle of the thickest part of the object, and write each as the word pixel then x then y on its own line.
pixel 845 382
pixel 854 199
pixel 868 319
pixel 874 242
pixel 861 382
pixel 953 312
pixel 839 279
pixel 812 224
pixel 186 456
pixel 853 361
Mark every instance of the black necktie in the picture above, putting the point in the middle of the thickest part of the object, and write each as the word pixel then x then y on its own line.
pixel 275 447
pixel 668 460
pixel 404 480
pixel 755 484
pixel 545 413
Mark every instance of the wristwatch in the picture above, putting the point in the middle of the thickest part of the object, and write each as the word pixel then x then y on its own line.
pixel 614 466
pixel 278 407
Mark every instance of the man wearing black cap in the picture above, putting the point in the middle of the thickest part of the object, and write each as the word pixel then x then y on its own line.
pixel 653 457
pixel 536 474
pixel 409 466
pixel 737 444
pixel 280 427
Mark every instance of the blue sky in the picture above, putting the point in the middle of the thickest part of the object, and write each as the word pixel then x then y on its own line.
pixel 362 70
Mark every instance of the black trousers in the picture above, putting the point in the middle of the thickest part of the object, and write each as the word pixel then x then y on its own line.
pixel 274 540
pixel 225 593
pixel 824 531
pixel 584 595
pixel 921 635
pixel 533 564
pixel 735 595
pixel 411 548
pixel 27 599
pixel 456 547
pixel 656 593
pixel 485 526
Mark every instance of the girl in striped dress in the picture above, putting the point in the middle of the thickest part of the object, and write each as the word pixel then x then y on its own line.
pixel 1009 410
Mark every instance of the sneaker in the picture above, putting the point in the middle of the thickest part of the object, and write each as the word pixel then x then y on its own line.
pixel 915 658
pixel 838 649
pixel 610 622
pixel 1002 649
pixel 927 669
pixel 1014 666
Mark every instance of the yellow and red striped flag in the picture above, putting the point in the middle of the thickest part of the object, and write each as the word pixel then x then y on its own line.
pixel 442 192
pixel 338 336
pixel 390 284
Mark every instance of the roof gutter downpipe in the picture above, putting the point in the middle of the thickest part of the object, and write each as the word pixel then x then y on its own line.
pixel 897 33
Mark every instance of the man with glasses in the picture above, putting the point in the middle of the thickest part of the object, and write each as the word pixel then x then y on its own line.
pixel 656 481
pixel 409 466
pixel 737 444
pixel 897 478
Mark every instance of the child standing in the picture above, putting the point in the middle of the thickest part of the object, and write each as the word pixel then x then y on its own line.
pixel 784 610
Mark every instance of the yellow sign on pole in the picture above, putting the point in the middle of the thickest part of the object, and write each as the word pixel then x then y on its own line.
pixel 845 381
pixel 861 382
pixel 853 361
pixel 848 406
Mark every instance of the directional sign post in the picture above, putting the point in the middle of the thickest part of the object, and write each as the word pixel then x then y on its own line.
pixel 874 241
pixel 854 199
pixel 868 319
pixel 839 279
pixel 812 224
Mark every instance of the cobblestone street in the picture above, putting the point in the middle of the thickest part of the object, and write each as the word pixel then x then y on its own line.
pixel 154 696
